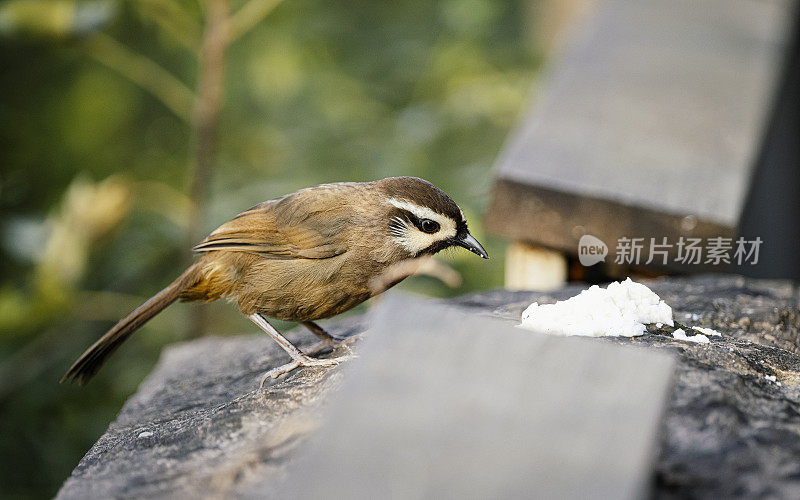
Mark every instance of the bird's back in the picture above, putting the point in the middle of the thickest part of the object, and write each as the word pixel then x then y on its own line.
pixel 297 258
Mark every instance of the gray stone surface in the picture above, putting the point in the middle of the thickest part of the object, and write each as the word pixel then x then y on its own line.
pixel 729 431
pixel 443 404
pixel 199 428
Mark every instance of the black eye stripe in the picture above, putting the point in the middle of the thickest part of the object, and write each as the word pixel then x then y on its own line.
pixel 428 226
pixel 411 217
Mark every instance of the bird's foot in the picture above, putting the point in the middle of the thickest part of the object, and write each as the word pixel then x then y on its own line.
pixel 333 342
pixel 297 363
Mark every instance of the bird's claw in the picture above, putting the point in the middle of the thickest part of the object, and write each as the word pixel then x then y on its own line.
pixel 297 363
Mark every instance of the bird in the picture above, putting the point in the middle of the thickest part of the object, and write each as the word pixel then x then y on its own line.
pixel 306 256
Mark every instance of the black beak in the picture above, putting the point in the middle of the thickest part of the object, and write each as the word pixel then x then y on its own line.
pixel 471 244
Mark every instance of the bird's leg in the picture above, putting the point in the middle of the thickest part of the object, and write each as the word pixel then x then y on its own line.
pixel 299 358
pixel 328 339
pixel 321 334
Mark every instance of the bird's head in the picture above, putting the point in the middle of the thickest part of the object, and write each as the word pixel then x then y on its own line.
pixel 422 219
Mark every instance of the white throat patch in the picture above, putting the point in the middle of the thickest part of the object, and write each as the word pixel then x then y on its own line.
pixel 410 237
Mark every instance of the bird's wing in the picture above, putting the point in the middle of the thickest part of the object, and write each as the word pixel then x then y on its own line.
pixel 300 226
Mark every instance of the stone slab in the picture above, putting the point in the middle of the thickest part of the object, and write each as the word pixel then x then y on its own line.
pixel 442 404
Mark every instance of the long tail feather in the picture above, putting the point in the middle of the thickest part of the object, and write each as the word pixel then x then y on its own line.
pixel 90 361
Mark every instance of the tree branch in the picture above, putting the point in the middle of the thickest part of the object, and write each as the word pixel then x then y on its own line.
pixel 252 13
pixel 144 72
pixel 205 120
pixel 174 20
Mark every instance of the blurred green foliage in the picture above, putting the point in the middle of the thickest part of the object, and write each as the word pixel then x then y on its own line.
pixel 94 162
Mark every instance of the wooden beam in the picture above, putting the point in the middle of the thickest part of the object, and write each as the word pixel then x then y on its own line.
pixel 646 126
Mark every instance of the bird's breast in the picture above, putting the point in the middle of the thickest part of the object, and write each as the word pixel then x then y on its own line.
pixel 304 289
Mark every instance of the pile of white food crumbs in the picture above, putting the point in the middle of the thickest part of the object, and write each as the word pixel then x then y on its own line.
pixel 620 310
pixel 680 334
pixel 707 331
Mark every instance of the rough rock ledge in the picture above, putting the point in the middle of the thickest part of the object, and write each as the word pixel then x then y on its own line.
pixel 198 426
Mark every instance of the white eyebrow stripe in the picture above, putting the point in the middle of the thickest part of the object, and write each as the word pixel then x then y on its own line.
pixel 420 212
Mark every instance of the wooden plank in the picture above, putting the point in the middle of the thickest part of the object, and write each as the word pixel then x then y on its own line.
pixel 655 106
pixel 445 405
pixel 557 220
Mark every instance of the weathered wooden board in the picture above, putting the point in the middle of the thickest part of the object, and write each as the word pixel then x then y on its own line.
pixel 446 405
pixel 652 115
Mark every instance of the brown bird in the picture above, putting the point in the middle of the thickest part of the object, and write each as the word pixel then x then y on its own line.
pixel 306 256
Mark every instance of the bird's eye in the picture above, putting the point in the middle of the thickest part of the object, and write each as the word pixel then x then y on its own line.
pixel 429 226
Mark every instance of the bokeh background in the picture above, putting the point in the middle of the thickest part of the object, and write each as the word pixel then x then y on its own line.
pixel 115 156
